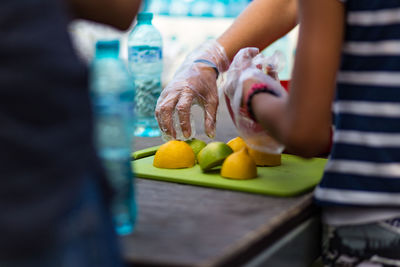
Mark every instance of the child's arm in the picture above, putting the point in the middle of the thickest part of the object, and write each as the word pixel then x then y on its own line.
pixel 303 120
pixel 259 25
pixel 117 13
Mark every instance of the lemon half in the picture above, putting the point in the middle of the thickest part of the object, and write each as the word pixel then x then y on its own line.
pixel 174 155
pixel 239 165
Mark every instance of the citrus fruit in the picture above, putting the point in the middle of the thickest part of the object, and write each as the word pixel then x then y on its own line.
pixel 196 145
pixel 236 143
pixel 213 155
pixel 174 155
pixel 239 165
pixel 265 159
pixel 261 158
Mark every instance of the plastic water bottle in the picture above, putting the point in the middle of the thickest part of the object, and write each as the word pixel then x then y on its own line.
pixel 146 64
pixel 112 94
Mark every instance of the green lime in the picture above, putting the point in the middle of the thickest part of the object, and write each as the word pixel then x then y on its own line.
pixel 213 155
pixel 196 145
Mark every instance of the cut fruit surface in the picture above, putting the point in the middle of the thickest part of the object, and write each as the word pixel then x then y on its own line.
pixel 174 155
pixel 213 155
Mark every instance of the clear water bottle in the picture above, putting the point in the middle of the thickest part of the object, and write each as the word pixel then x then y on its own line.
pixel 112 94
pixel 146 64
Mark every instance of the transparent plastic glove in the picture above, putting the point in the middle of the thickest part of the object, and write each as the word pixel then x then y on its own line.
pixel 193 83
pixel 248 64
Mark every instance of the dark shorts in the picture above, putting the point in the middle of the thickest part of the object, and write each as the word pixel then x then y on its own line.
pixel 373 245
pixel 85 238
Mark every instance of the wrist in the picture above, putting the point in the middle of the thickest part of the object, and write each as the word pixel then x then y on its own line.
pixel 256 89
pixel 221 58
pixel 209 64
pixel 213 51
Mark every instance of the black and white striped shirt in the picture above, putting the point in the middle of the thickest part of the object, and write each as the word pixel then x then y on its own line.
pixel 364 166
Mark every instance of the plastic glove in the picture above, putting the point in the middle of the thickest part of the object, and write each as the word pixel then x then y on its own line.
pixel 249 65
pixel 193 83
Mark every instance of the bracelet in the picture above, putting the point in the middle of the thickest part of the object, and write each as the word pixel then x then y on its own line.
pixel 209 63
pixel 256 89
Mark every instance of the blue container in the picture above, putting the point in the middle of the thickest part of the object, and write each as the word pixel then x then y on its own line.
pixel 146 65
pixel 112 94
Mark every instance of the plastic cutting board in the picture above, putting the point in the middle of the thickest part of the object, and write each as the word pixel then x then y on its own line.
pixel 293 177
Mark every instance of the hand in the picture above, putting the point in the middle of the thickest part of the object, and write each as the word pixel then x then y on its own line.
pixel 247 69
pixel 242 61
pixel 193 83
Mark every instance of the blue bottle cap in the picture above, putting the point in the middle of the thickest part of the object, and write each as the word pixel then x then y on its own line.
pixel 107 48
pixel 145 16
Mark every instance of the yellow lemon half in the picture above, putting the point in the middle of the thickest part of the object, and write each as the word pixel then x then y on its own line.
pixel 236 143
pixel 174 155
pixel 265 159
pixel 239 165
pixel 261 158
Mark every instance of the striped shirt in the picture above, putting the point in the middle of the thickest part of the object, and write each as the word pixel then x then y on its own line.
pixel 364 166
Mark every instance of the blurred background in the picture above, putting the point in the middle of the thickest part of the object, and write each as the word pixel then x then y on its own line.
pixel 184 25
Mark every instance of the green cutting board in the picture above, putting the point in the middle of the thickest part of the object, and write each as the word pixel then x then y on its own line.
pixel 293 177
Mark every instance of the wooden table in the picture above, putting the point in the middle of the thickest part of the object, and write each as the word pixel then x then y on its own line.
pixel 183 225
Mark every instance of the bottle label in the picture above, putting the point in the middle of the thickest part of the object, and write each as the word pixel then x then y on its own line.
pixel 144 54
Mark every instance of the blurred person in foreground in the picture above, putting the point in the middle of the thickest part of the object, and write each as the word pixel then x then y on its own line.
pixel 348 58
pixel 259 25
pixel 53 195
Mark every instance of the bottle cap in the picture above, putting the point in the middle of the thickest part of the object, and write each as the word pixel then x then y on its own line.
pixel 145 16
pixel 107 48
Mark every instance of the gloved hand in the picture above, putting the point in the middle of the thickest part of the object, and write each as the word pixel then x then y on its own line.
pixel 249 65
pixel 193 83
